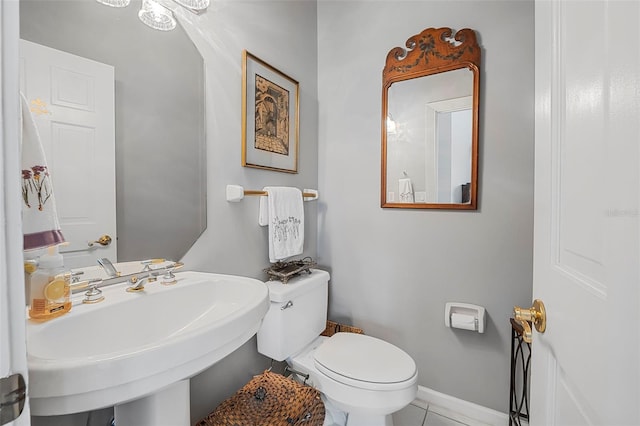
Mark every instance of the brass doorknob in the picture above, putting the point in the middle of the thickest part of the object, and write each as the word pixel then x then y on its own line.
pixel 104 240
pixel 536 314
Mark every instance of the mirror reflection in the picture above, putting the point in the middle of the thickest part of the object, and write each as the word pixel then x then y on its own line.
pixel 159 128
pixel 429 125
pixel 430 110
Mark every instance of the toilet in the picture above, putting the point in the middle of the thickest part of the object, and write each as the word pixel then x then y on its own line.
pixel 365 377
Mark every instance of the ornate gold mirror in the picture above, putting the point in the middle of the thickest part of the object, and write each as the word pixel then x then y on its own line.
pixel 430 99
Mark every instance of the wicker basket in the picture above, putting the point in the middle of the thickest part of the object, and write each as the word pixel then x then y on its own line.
pixel 269 399
pixel 334 327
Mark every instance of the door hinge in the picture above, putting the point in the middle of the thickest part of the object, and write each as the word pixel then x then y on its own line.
pixel 13 394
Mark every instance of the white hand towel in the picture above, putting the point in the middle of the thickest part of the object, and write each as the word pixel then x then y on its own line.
pixel 405 189
pixel 40 225
pixel 285 217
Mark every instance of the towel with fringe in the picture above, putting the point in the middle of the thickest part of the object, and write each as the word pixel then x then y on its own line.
pixel 40 224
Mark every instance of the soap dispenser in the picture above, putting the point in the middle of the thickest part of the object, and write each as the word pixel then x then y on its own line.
pixel 50 292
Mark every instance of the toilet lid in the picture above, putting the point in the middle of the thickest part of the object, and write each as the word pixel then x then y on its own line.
pixel 350 356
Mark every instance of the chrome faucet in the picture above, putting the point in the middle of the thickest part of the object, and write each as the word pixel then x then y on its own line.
pixel 137 279
pixel 108 267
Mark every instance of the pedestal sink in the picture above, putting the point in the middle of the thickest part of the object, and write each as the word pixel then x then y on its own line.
pixel 137 350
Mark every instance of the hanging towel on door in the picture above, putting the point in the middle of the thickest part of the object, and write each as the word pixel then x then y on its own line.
pixel 282 210
pixel 40 225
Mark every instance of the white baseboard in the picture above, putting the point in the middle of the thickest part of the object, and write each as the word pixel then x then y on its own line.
pixel 458 409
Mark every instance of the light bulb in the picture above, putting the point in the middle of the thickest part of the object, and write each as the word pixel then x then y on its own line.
pixel 156 16
pixel 391 124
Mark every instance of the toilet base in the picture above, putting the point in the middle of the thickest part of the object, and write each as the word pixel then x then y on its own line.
pixel 361 419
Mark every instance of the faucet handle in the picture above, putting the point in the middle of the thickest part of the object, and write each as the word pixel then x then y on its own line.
pixel 94 295
pixel 147 263
pixel 169 278
pixel 137 283
pixel 75 276
pixel 81 285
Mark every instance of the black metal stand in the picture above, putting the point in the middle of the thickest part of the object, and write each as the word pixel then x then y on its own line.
pixel 519 389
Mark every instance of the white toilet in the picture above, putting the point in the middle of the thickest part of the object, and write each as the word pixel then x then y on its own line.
pixel 365 377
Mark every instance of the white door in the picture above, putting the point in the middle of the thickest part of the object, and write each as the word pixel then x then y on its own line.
pixel 13 352
pixel 72 100
pixel 586 365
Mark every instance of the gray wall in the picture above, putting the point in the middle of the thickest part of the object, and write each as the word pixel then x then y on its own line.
pixel 160 141
pixel 283 34
pixel 393 270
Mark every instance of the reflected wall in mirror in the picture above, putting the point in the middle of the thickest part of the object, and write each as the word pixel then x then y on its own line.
pixel 430 99
pixel 160 162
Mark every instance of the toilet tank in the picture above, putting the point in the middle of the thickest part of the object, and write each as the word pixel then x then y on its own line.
pixel 297 314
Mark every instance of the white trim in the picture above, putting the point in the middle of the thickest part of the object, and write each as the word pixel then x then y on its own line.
pixel 457 409
pixel 431 137
pixel 12 311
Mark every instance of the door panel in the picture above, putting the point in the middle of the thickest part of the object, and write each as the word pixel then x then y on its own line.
pixel 72 99
pixel 72 89
pixel 586 366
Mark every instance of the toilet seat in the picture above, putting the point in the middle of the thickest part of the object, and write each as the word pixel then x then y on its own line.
pixel 365 362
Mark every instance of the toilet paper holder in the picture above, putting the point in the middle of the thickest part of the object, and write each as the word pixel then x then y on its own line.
pixel 465 316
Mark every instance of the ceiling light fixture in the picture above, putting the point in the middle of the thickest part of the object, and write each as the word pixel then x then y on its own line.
pixel 193 4
pixel 115 3
pixel 156 16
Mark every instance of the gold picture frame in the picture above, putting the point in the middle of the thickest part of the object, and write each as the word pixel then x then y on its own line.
pixel 270 117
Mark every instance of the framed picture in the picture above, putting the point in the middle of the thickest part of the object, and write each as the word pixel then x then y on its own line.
pixel 269 117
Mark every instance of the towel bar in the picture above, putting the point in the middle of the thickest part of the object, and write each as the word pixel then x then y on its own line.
pixel 236 193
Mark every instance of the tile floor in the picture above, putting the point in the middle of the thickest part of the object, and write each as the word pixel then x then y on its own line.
pixel 420 414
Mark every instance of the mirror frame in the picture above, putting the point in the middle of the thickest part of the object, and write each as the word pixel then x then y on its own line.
pixel 431 52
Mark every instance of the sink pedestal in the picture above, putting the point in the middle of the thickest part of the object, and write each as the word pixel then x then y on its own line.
pixel 168 406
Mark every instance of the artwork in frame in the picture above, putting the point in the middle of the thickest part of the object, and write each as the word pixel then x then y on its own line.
pixel 270 108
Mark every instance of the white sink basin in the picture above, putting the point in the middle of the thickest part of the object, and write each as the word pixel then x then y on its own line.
pixel 133 344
